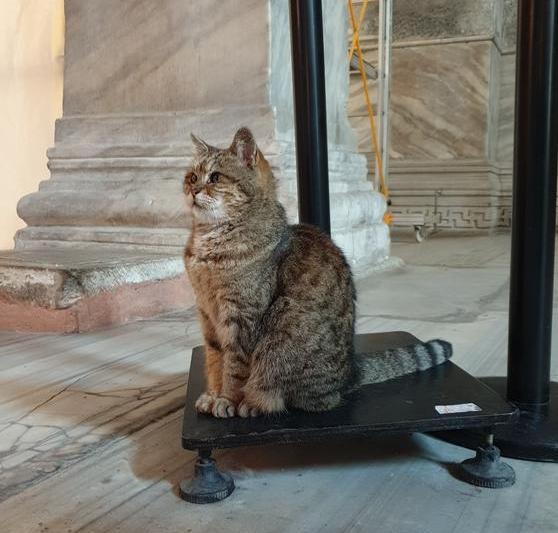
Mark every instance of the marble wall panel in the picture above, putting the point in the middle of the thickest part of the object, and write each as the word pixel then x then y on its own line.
pixel 506 111
pixel 452 103
pixel 356 106
pixel 508 25
pixel 439 101
pixel 164 55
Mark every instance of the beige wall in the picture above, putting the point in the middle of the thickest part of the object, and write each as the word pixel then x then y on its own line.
pixel 31 70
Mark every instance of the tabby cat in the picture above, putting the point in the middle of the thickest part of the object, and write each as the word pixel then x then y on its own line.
pixel 276 301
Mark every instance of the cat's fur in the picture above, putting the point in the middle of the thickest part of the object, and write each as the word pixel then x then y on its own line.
pixel 276 301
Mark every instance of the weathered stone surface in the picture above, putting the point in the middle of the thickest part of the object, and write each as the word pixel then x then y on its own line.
pixel 461 195
pixel 78 290
pixel 435 19
pixel 107 309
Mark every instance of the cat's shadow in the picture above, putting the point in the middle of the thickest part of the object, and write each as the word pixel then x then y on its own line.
pixel 248 462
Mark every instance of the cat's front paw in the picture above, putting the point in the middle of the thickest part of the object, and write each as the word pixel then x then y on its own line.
pixel 204 404
pixel 223 408
pixel 247 411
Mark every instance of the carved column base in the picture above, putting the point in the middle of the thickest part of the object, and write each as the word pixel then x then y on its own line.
pixel 116 183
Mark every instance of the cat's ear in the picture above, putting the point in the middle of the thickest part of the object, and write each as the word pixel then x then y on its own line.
pixel 244 147
pixel 201 148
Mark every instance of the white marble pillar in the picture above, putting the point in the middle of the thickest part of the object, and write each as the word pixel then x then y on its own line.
pixel 140 76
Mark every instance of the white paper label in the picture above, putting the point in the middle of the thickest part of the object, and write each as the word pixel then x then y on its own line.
pixel 457 408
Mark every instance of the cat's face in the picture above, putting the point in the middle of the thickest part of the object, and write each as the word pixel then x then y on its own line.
pixel 222 183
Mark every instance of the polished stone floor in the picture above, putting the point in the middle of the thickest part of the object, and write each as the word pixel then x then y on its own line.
pixel 90 425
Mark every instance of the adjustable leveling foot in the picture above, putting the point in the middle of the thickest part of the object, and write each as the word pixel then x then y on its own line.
pixel 487 469
pixel 208 484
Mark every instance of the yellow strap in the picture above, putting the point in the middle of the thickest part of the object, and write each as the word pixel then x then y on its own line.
pixel 357 32
pixel 356 44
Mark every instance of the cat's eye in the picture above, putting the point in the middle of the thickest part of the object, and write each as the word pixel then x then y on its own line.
pixel 214 177
pixel 193 178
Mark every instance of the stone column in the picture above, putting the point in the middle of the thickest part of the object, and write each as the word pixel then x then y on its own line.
pixel 140 76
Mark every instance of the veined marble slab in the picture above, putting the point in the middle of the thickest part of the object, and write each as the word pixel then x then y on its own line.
pixel 125 56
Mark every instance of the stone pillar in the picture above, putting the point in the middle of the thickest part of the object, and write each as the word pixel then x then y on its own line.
pixel 140 76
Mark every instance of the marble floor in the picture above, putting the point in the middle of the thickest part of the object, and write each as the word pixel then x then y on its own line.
pixel 90 425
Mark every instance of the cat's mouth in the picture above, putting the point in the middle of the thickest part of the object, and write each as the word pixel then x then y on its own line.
pixel 207 207
pixel 201 202
pixel 204 206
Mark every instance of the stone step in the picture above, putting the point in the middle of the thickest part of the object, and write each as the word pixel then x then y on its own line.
pixel 75 290
pixel 152 240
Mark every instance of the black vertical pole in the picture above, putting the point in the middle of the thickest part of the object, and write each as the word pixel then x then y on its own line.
pixel 534 434
pixel 310 112
pixel 534 204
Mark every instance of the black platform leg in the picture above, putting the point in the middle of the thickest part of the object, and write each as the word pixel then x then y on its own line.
pixel 208 484
pixel 486 469
pixel 534 436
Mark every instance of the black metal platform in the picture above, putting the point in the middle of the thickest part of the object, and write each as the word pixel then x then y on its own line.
pixel 406 404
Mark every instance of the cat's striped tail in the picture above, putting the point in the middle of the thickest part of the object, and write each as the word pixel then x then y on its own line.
pixel 395 362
